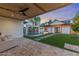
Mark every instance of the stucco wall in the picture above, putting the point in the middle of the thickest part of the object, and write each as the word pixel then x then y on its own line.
pixel 49 29
pixel 53 30
pixel 66 30
pixel 11 27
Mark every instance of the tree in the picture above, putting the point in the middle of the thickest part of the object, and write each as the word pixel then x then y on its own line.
pixel 75 24
pixel 36 19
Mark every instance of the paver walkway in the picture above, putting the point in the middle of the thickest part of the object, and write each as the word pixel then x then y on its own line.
pixel 40 38
pixel 28 47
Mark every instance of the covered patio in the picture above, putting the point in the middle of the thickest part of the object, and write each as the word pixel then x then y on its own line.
pixel 12 16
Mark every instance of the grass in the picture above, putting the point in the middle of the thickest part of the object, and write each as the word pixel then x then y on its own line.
pixel 59 40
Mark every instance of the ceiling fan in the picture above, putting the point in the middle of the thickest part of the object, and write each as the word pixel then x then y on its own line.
pixel 22 11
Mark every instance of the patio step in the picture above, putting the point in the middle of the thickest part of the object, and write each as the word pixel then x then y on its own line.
pixel 5 45
pixel 33 48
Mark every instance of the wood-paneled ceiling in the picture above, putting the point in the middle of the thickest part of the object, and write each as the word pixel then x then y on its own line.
pixel 11 10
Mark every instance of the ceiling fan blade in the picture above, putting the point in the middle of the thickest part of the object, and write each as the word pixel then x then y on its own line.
pixel 23 14
pixel 23 10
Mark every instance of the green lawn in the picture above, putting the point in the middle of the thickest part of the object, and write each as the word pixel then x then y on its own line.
pixel 59 40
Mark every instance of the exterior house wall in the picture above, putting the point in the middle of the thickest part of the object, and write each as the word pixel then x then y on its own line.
pixel 41 30
pixel 58 27
pixel 66 30
pixel 49 29
pixel 53 30
pixel 11 27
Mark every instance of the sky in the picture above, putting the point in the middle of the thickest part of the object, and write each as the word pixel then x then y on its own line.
pixel 65 13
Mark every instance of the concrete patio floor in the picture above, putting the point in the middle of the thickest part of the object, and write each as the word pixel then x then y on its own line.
pixel 28 47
